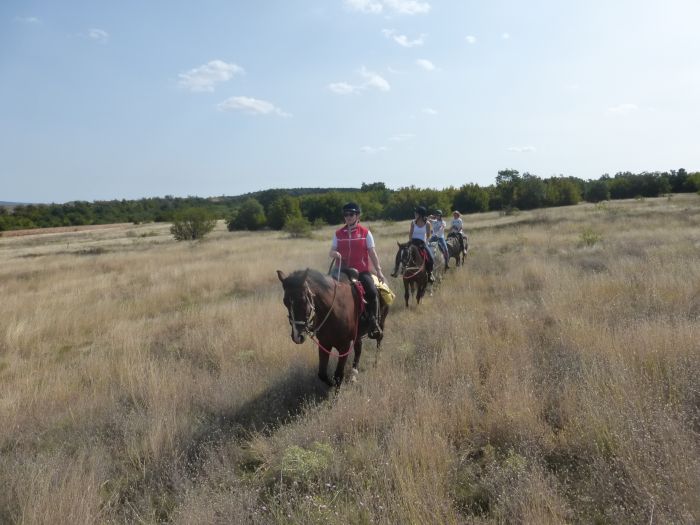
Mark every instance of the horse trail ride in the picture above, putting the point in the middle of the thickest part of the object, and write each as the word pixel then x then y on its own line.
pixel 330 309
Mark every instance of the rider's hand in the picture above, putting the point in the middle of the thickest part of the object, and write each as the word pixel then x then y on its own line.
pixel 336 255
pixel 381 277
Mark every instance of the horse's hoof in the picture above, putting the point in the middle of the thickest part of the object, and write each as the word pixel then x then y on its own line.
pixel 325 379
pixel 353 375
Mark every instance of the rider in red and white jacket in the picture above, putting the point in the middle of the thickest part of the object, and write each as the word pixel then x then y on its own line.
pixel 353 247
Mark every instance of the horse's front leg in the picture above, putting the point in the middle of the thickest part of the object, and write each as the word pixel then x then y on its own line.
pixel 406 293
pixel 340 369
pixel 323 367
pixel 356 360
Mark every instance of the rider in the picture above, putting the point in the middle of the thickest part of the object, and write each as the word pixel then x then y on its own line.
pixel 353 247
pixel 456 228
pixel 438 227
pixel 419 234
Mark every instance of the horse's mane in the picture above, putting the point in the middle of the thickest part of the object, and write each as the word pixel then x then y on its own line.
pixel 296 278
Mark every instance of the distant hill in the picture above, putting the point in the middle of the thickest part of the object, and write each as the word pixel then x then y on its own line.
pixel 5 203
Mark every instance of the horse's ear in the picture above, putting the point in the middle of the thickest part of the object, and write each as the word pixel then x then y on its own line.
pixel 306 274
pixel 281 276
pixel 398 244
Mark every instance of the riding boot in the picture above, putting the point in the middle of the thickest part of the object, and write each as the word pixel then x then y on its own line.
pixel 374 331
pixel 429 270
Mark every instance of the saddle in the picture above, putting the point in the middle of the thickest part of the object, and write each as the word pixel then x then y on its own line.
pixel 354 277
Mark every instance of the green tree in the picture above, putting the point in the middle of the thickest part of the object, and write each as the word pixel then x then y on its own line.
pixel 597 190
pixel 250 216
pixel 507 184
pixel 192 224
pixel 281 210
pixel 470 198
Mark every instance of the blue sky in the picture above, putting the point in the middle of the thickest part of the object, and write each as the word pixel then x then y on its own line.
pixel 102 99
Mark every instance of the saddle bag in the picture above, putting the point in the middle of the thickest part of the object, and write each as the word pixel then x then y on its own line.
pixel 385 294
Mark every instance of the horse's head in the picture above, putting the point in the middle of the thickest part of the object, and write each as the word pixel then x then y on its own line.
pixel 403 255
pixel 299 300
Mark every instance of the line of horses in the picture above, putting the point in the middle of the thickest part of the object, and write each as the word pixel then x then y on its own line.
pixel 330 311
pixel 411 261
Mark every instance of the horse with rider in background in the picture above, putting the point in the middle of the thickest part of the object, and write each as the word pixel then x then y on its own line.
pixel 411 263
pixel 454 248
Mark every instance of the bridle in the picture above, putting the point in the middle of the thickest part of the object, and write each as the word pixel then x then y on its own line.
pixel 307 325
pixel 405 258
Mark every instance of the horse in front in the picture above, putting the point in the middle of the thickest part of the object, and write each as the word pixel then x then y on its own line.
pixel 330 313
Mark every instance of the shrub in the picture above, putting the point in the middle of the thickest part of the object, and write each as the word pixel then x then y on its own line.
pixel 590 237
pixel 250 216
pixel 297 227
pixel 192 224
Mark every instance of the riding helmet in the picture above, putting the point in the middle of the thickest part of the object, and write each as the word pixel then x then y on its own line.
pixel 351 206
pixel 438 212
pixel 420 210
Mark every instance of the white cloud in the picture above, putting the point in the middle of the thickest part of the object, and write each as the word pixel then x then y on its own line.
pixel 470 38
pixel 408 7
pixel 426 64
pixel 403 40
pixel 505 36
pixel 206 76
pixel 522 149
pixel 374 80
pixel 429 111
pixel 100 35
pixel 403 7
pixel 624 109
pixel 364 6
pixel 253 106
pixel 394 71
pixel 27 19
pixel 401 137
pixel 372 149
pixel 343 88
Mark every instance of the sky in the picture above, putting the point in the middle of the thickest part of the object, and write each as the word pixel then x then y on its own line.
pixel 105 100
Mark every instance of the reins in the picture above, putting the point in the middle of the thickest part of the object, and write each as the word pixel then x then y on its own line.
pixel 306 325
pixel 419 270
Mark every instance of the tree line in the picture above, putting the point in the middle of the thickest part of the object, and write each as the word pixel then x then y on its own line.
pixel 299 208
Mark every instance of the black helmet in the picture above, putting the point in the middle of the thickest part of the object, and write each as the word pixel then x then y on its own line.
pixel 420 210
pixel 351 206
pixel 438 212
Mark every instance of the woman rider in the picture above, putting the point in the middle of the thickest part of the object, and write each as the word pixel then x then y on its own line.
pixel 419 234
pixel 353 247
pixel 457 226
pixel 438 227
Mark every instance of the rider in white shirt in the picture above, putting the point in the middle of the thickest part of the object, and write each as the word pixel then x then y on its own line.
pixel 456 227
pixel 438 227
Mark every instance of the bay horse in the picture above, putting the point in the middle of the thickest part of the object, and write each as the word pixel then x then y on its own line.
pixel 410 262
pixel 329 311
pixel 454 249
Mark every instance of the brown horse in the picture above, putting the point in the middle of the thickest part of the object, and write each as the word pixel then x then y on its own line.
pixel 329 312
pixel 454 249
pixel 410 262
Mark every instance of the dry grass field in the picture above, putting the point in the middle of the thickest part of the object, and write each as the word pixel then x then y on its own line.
pixel 554 379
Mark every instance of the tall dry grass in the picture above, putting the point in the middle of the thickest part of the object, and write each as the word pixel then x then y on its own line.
pixel 555 379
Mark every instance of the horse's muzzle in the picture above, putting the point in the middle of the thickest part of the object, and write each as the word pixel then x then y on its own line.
pixel 298 337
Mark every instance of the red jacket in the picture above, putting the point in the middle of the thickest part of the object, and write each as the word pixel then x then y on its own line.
pixel 353 247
